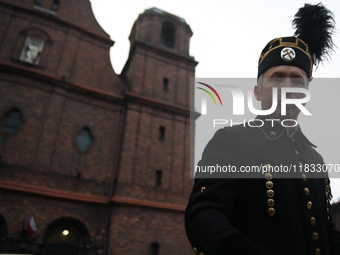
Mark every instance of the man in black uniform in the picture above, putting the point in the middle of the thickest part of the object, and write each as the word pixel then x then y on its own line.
pixel 269 215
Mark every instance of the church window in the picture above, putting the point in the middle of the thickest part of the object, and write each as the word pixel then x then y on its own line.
pixel 3 228
pixel 154 248
pixel 158 181
pixel 12 121
pixel 168 34
pixel 55 5
pixel 161 133
pixel 165 83
pixel 84 139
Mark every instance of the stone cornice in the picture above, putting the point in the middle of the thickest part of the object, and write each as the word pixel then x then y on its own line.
pixel 76 196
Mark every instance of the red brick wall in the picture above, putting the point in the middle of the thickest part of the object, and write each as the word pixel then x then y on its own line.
pixel 72 54
pixel 74 86
pixel 147 70
pixel 71 11
pixel 143 153
pixel 20 208
pixel 46 141
pixel 133 230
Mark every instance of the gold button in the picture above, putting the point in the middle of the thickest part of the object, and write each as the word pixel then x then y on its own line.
pixel 271 211
pixel 328 210
pixel 304 177
pixel 270 193
pixel 309 205
pixel 293 140
pixel 269 184
pixel 268 176
pixel 328 218
pixel 296 152
pixel 312 220
pixel 315 236
pixel 306 190
pixel 317 251
pixel 201 253
pixel 326 188
pixel 270 202
pixel 195 250
pixel 325 182
pixel 202 189
pixel 327 202
pixel 326 193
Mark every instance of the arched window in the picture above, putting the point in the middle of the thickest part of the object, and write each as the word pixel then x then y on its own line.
pixel 168 34
pixel 11 121
pixel 32 50
pixel 84 139
pixel 66 236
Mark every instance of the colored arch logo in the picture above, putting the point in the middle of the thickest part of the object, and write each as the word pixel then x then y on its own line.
pixel 212 89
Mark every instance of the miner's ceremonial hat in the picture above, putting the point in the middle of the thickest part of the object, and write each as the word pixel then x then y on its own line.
pixel 311 43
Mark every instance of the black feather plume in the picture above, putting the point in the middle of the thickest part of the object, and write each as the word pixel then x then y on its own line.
pixel 314 24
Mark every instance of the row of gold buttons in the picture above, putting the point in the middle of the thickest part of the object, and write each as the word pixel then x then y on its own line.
pixel 309 204
pixel 270 192
pixel 306 191
pixel 312 220
pixel 326 184
pixel 315 235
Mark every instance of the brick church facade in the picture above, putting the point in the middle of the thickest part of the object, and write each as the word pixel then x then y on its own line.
pixel 92 162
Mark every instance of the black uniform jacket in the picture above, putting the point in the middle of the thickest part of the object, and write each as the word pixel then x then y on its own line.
pixel 266 215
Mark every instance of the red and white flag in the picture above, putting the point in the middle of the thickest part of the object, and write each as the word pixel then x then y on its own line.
pixel 31 228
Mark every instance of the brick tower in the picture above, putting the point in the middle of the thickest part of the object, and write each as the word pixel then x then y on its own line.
pixel 155 158
pixel 92 162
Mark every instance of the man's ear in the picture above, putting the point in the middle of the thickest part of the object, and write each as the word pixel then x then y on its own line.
pixel 257 93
